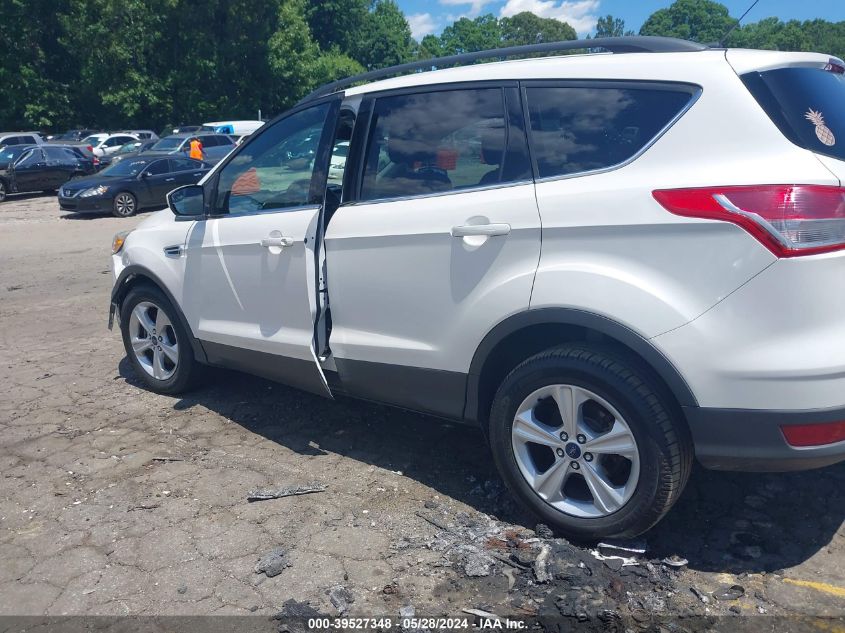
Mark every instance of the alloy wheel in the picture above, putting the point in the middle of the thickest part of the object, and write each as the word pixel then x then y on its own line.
pixel 576 451
pixel 124 204
pixel 153 340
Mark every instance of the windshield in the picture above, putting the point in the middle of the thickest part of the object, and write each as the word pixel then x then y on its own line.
pixel 806 104
pixel 129 147
pixel 9 154
pixel 125 168
pixel 168 143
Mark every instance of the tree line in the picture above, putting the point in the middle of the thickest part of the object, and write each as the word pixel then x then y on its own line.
pixel 152 63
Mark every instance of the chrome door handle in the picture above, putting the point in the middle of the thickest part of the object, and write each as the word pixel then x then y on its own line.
pixel 169 179
pixel 486 230
pixel 276 242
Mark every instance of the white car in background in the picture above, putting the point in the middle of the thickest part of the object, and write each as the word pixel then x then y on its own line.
pixel 104 143
pixel 232 128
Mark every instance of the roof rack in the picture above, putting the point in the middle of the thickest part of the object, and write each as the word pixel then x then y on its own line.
pixel 628 44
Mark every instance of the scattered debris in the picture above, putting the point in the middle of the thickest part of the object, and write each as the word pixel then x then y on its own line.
pixel 540 571
pixel 182 589
pixel 475 563
pixel 675 561
pixel 618 548
pixel 144 506
pixel 436 523
pixel 407 611
pixel 544 531
pixel 699 595
pixel 273 562
pixel 295 609
pixel 482 614
pixel 167 459
pixel 341 598
pixel 732 592
pixel 264 495
pixel 510 574
pixel 620 561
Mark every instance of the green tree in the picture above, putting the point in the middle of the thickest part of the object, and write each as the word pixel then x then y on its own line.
pixel 467 36
pixel 385 38
pixel 336 23
pixel 527 28
pixel 698 20
pixel 608 26
pixel 429 47
pixel 296 62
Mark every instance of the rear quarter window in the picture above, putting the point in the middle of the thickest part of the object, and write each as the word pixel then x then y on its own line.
pixel 806 104
pixel 582 128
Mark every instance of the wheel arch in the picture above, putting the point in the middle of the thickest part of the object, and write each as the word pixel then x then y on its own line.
pixel 524 334
pixel 133 276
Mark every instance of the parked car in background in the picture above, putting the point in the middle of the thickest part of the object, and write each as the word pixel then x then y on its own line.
pixel 71 136
pixel 126 151
pixel 239 139
pixel 215 146
pixel 46 168
pixel 20 138
pixel 181 129
pixel 8 155
pixel 236 128
pixel 145 135
pixel 110 143
pixel 126 187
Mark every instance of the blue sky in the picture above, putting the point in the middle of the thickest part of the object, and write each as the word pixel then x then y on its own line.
pixel 431 16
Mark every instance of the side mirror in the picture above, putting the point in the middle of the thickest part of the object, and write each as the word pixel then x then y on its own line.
pixel 145 174
pixel 187 201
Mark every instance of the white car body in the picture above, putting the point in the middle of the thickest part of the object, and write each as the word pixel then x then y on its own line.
pixel 233 128
pixel 745 340
pixel 109 143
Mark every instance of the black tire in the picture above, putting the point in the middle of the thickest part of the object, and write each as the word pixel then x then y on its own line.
pixel 121 210
pixel 4 190
pixel 187 371
pixel 664 445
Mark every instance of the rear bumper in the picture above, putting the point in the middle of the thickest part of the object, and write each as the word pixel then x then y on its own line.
pixel 752 440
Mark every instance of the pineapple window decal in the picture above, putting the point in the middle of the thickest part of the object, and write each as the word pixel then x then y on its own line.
pixel 823 133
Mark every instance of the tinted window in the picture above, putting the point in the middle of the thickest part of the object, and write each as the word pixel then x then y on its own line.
pixel 223 140
pixel 168 143
pixel 58 154
pixel 275 170
pixel 184 164
pixel 435 142
pixel 578 129
pixel 806 104
pixel 31 157
pixel 9 154
pixel 157 168
pixel 208 141
pixel 27 139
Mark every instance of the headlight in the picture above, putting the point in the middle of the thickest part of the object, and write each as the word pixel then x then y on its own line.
pixel 118 241
pixel 94 191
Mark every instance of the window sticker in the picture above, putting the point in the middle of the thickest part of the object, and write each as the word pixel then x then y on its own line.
pixel 824 134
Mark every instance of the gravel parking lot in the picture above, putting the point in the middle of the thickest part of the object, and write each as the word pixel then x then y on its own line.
pixel 114 500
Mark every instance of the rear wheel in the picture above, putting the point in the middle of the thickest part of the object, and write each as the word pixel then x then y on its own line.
pixel 124 205
pixel 586 439
pixel 156 344
pixel 3 190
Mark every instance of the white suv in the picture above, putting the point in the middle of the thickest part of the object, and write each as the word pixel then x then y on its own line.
pixel 611 263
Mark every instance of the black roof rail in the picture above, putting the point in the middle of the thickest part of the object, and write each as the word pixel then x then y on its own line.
pixel 628 44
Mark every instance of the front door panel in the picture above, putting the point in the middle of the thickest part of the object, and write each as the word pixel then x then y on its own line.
pixel 250 282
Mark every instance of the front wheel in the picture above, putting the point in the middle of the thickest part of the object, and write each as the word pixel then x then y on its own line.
pixel 586 440
pixel 3 190
pixel 156 344
pixel 125 205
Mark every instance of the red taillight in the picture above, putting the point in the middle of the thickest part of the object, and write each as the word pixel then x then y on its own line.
pixel 790 220
pixel 814 434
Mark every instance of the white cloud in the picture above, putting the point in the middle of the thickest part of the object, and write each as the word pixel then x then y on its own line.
pixel 475 6
pixel 421 25
pixel 580 14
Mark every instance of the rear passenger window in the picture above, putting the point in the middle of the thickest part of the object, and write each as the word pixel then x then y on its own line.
pixel 184 164
pixel 208 141
pixel 581 129
pixel 436 142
